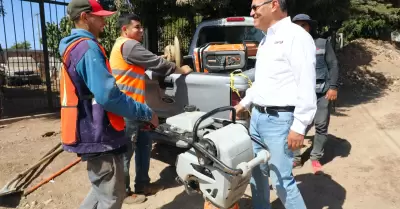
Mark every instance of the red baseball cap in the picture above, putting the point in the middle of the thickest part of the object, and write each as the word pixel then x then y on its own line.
pixel 94 7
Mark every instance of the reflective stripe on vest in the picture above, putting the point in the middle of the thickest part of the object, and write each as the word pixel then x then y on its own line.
pixel 130 79
pixel 69 101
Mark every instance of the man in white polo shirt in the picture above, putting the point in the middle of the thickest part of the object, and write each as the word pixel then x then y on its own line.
pixel 284 100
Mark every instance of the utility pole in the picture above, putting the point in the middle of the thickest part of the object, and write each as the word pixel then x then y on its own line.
pixel 38 25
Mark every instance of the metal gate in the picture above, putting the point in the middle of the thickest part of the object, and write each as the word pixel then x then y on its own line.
pixel 30 32
pixel 29 55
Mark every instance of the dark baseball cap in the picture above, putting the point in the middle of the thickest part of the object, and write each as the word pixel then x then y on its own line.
pixel 103 8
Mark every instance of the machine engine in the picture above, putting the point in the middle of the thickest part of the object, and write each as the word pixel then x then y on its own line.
pixel 217 57
pixel 219 163
pixel 232 146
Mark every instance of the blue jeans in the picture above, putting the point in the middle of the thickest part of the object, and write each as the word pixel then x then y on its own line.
pixel 273 129
pixel 142 144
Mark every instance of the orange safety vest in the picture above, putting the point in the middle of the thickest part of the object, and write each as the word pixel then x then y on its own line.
pixel 130 79
pixel 69 101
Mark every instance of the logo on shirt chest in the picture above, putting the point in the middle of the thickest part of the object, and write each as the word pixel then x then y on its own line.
pixel 278 42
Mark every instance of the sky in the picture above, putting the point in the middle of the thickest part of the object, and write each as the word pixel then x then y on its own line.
pixel 21 22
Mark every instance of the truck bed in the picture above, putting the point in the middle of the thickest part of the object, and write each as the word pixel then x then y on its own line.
pixel 168 96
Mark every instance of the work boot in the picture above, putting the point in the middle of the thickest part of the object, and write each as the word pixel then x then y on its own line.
pixel 317 167
pixel 151 189
pixel 132 198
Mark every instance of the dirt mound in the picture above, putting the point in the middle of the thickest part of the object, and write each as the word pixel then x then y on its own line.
pixel 369 65
pixel 368 69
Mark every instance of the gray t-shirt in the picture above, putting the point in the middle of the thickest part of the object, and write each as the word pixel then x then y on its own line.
pixel 135 54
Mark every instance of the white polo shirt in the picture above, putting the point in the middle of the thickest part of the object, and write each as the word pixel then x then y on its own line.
pixel 285 73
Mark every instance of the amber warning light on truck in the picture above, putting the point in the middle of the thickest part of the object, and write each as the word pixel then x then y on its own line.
pixel 235 19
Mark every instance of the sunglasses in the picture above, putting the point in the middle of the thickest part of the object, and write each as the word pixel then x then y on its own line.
pixel 256 6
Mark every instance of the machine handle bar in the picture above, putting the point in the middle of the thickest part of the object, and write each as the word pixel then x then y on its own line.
pixel 239 170
pixel 195 141
pixel 209 114
pixel 221 165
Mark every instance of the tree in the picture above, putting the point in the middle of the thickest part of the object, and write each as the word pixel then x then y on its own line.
pixel 324 11
pixel 360 18
pixel 2 11
pixel 354 18
pixel 371 19
pixel 55 33
pixel 22 45
pixel 211 9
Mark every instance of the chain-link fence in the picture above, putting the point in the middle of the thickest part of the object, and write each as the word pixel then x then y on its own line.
pixel 30 68
pixel 30 31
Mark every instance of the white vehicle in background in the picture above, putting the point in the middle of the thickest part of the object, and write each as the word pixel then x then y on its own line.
pixel 22 71
pixel 218 48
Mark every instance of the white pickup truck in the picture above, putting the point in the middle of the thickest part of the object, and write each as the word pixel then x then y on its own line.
pixel 209 86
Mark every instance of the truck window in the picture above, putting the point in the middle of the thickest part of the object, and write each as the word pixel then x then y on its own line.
pixel 228 34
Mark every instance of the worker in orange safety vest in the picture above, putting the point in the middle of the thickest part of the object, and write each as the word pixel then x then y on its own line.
pixel 128 61
pixel 92 107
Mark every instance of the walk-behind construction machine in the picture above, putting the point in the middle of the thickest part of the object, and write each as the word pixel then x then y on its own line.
pixel 218 165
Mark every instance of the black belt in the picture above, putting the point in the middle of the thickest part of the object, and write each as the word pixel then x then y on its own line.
pixel 269 109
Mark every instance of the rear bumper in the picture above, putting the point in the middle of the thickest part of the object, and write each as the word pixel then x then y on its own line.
pixel 23 80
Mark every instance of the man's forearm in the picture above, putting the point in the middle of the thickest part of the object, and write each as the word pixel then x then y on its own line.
pixel 334 74
pixel 333 66
pixel 121 104
pixel 248 99
pixel 135 54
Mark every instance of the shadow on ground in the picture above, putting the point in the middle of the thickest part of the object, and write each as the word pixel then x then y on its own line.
pixel 167 154
pixel 318 191
pixel 167 178
pixel 11 200
pixel 358 84
pixel 184 201
pixel 334 147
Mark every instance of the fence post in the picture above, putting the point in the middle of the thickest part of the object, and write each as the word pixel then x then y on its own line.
pixel 46 55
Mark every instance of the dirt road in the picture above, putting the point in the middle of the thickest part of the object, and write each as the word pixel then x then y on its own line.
pixel 362 159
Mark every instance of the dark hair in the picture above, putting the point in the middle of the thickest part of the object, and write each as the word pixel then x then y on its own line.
pixel 283 5
pixel 126 19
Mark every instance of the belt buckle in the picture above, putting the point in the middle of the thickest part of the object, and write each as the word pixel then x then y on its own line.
pixel 271 111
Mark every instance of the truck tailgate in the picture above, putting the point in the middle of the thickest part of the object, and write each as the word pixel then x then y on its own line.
pixel 168 96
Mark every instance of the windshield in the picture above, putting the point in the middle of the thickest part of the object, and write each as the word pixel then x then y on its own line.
pixel 229 34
